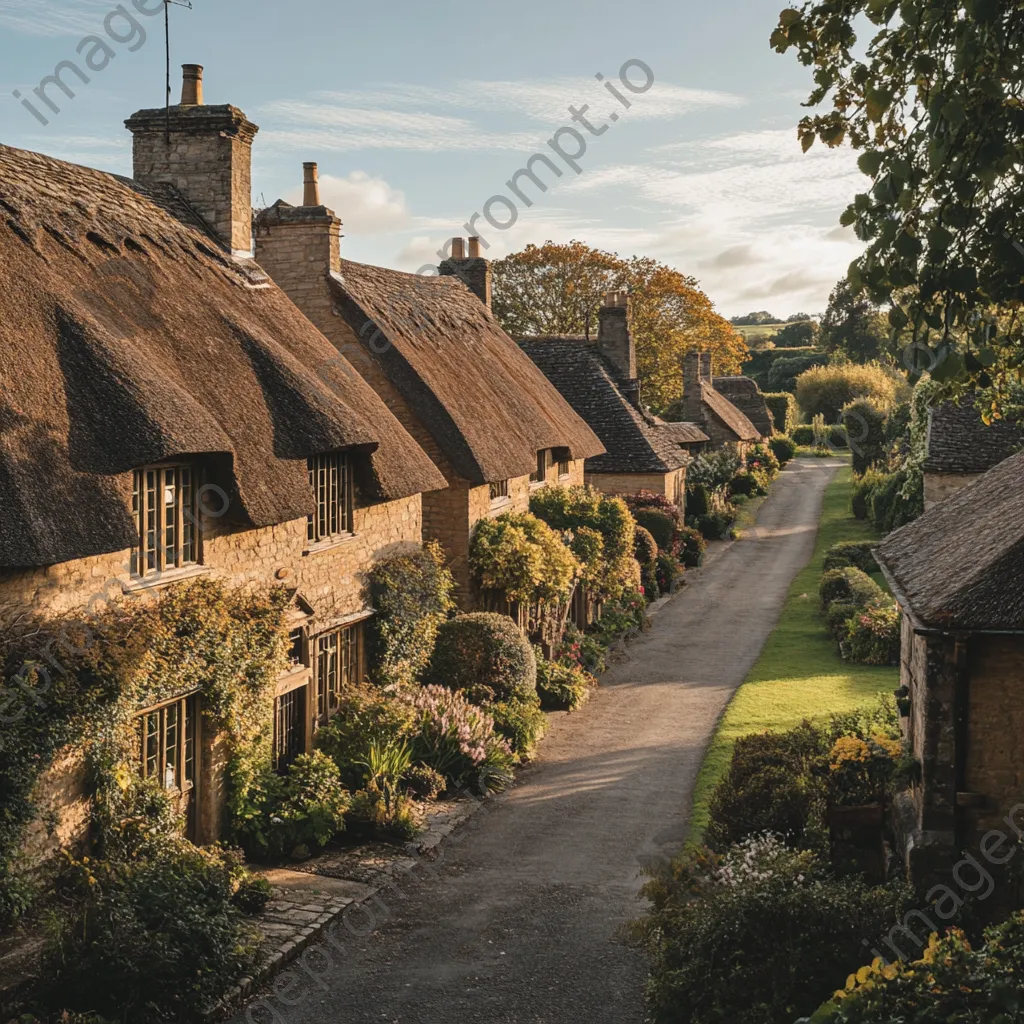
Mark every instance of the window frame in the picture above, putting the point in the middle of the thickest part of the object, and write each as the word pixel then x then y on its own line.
pixel 540 473
pixel 152 554
pixel 564 468
pixel 328 653
pixel 499 492
pixel 186 745
pixel 289 743
pixel 332 483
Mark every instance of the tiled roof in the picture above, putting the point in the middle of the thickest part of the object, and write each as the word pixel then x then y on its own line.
pixel 961 564
pixel 634 443
pixel 727 413
pixel 960 442
pixel 744 393
pixel 681 433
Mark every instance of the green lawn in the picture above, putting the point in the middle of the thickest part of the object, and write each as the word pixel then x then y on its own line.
pixel 799 674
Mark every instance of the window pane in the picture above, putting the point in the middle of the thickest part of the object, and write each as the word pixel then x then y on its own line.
pixel 170 517
pixel 296 655
pixel 171 740
pixel 137 519
pixel 188 517
pixel 151 520
pixel 190 740
pixel 151 764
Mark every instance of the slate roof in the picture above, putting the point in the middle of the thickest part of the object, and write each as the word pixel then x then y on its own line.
pixel 487 406
pixel 634 443
pixel 746 396
pixel 960 566
pixel 680 432
pixel 127 337
pixel 960 442
pixel 722 409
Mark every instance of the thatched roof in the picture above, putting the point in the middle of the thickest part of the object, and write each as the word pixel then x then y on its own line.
pixel 960 442
pixel 487 406
pixel 746 396
pixel 128 337
pixel 961 564
pixel 727 414
pixel 633 442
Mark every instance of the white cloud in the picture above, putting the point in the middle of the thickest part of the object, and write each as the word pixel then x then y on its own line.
pixel 54 17
pixel 366 205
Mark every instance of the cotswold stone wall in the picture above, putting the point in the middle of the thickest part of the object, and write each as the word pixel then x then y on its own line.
pixel 332 579
pixel 994 768
pixel 672 485
pixel 939 486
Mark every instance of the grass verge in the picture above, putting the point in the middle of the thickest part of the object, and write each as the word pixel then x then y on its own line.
pixel 799 673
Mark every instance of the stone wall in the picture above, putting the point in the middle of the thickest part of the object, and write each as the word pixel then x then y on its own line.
pixel 994 768
pixel 939 486
pixel 672 485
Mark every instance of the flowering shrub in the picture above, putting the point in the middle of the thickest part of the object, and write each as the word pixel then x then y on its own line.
pixel 756 934
pixel 713 469
pixel 483 649
pixel 412 594
pixel 873 635
pixel 951 982
pixel 599 531
pixel 860 771
pixel 521 556
pixel 645 547
pixel 457 739
pixel 761 458
pixel 562 687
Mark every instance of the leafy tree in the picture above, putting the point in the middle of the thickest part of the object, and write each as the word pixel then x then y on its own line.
pixel 853 325
pixel 935 102
pixel 753 319
pixel 797 317
pixel 798 334
pixel 558 289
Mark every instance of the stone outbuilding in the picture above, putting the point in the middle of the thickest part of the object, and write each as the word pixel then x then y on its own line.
pixel 430 346
pixel 958 575
pixel 599 380
pixel 746 396
pixel 167 414
pixel 961 447
pixel 711 411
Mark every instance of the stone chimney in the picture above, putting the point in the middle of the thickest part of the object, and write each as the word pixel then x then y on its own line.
pixel 706 372
pixel 614 341
pixel 205 153
pixel 693 411
pixel 473 270
pixel 300 247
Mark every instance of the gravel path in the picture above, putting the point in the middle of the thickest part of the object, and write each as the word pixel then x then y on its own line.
pixel 519 923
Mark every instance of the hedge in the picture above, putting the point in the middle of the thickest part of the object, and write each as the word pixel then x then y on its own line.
pixel 858 553
pixel 848 584
pixel 783 408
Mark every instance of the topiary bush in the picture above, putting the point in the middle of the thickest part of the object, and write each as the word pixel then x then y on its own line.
pixel 837 616
pixel 783 448
pixel 412 595
pixel 783 409
pixel 770 787
pixel 858 553
pixel 483 649
pixel 803 435
pixel 645 547
pixel 659 525
pixel 757 934
pixel 848 584
pixel 873 635
pixel 156 939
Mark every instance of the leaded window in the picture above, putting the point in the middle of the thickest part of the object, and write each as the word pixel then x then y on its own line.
pixel 167 744
pixel 330 479
pixel 338 665
pixel 165 514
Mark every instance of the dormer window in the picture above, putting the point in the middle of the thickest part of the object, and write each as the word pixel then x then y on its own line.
pixel 330 478
pixel 164 508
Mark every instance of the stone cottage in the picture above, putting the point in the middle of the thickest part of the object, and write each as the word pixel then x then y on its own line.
pixel 599 380
pixel 433 351
pixel 166 413
pixel 958 575
pixel 746 396
pixel 961 447
pixel 710 410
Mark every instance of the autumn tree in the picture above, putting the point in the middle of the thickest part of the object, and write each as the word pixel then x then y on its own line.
pixel 934 100
pixel 558 290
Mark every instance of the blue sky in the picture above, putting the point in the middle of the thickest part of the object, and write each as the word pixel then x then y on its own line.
pixel 417 113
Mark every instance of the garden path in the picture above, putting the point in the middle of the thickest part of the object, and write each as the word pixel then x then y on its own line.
pixel 520 922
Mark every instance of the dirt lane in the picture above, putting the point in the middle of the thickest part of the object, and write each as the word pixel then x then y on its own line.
pixel 519 926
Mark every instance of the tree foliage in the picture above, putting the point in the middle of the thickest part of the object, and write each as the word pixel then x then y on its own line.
pixel 798 334
pixel 558 289
pixel 853 325
pixel 935 102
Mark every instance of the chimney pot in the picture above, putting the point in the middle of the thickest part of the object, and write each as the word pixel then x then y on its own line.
pixel 311 185
pixel 191 85
pixel 458 249
pixel 474 248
